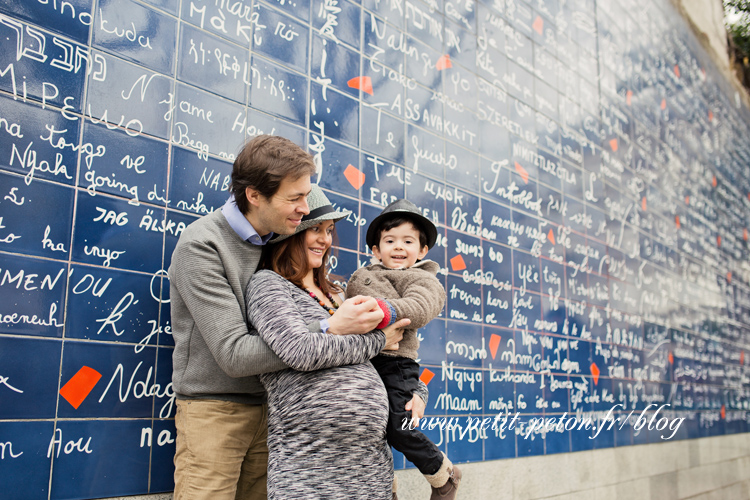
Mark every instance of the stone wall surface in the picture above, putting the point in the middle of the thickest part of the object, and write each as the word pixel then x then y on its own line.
pixel 715 468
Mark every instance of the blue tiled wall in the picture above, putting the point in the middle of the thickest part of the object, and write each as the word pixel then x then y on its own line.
pixel 586 165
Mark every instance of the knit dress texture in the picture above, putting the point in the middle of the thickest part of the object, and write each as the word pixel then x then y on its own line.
pixel 327 414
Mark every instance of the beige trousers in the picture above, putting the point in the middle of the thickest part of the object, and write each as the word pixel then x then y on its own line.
pixel 221 451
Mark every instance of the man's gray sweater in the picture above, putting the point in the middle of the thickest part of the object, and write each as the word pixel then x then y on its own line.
pixel 214 355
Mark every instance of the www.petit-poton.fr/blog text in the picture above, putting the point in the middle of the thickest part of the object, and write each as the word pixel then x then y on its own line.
pixel 651 419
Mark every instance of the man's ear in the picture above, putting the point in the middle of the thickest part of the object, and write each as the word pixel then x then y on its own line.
pixel 253 196
pixel 423 252
pixel 376 252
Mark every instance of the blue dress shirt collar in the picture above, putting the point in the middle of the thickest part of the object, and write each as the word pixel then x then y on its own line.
pixel 241 225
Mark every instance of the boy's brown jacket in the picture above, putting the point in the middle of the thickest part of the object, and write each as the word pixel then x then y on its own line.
pixel 415 293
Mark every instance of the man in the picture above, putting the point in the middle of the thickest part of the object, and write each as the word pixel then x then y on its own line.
pixel 221 416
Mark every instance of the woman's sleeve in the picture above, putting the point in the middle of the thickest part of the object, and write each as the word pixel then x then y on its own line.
pixel 422 391
pixel 273 312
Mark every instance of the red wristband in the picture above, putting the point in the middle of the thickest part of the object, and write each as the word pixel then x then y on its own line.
pixel 389 313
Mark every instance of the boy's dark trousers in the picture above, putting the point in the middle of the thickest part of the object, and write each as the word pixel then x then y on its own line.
pixel 400 377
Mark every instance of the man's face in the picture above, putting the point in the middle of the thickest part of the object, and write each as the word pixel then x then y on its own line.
pixel 282 212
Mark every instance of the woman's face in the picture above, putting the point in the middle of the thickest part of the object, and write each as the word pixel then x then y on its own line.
pixel 317 240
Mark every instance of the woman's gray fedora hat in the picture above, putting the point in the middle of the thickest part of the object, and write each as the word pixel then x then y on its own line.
pixel 320 210
pixel 402 208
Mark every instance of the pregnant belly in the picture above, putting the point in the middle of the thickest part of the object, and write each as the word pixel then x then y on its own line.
pixel 341 406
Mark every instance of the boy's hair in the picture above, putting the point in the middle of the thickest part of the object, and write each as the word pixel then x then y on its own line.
pixel 263 163
pixel 288 259
pixel 396 220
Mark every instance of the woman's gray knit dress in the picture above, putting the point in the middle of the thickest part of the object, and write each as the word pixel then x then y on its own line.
pixel 326 422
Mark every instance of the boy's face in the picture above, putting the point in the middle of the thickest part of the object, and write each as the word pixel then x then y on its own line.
pixel 399 247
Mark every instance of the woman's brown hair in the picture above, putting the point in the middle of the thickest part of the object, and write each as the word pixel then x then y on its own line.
pixel 288 259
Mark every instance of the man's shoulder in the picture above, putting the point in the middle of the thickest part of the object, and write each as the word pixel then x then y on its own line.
pixel 204 239
pixel 209 223
pixel 192 244
pixel 213 230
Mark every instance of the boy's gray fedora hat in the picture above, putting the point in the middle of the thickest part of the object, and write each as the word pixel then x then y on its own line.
pixel 320 210
pixel 405 208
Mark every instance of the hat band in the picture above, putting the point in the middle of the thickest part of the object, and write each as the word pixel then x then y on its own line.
pixel 314 214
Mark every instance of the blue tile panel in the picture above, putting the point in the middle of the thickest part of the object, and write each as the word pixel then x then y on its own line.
pixel 586 168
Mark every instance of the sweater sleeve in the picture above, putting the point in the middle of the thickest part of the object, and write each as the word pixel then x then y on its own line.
pixel 274 313
pixel 421 299
pixel 422 391
pixel 210 300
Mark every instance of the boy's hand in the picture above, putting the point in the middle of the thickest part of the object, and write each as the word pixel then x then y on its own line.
pixel 394 333
pixel 355 315
pixel 417 407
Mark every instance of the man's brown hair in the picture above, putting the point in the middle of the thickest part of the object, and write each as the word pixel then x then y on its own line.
pixel 263 163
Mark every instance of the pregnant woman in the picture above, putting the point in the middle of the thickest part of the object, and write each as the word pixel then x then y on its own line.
pixel 327 413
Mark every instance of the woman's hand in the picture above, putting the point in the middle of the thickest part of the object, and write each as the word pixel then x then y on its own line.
pixel 355 315
pixel 394 333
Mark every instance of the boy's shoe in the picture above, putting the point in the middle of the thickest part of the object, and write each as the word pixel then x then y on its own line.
pixel 448 490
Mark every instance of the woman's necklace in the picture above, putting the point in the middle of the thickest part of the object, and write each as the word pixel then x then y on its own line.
pixel 331 311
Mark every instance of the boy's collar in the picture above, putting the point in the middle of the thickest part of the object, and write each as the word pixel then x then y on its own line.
pixel 418 264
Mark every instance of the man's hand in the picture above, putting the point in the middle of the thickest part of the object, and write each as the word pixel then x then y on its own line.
pixel 394 333
pixel 356 315
pixel 417 407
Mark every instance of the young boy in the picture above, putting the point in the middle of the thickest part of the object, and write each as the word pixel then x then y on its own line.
pixel 406 287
